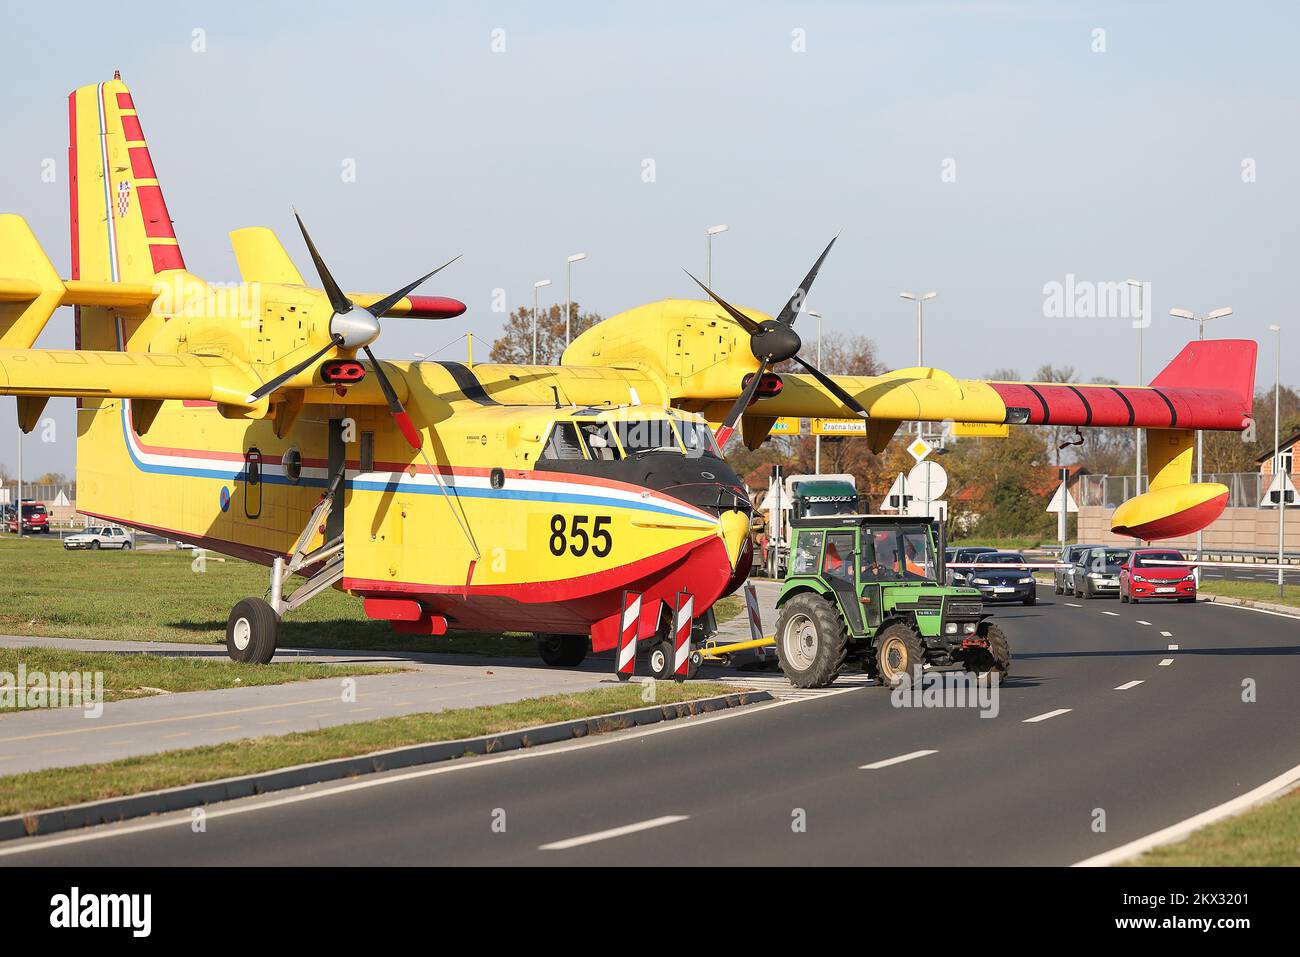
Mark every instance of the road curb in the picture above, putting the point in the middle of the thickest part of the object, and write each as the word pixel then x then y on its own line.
pixel 1289 610
pixel 210 792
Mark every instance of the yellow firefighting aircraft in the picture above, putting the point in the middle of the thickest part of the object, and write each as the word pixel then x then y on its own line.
pixel 451 496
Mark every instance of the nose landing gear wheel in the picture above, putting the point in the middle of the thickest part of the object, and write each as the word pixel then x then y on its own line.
pixel 562 651
pixel 251 631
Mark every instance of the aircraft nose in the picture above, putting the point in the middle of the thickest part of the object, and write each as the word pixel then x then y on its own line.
pixel 734 529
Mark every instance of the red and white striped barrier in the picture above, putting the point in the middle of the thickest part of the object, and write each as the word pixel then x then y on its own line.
pixel 755 620
pixel 685 617
pixel 631 627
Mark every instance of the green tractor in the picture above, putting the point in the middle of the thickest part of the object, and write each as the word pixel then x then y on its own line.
pixel 868 588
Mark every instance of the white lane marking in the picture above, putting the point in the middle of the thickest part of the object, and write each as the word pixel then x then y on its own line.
pixel 1129 684
pixel 1173 647
pixel 613 832
pixel 1165 663
pixel 1176 832
pixel 1048 714
pixel 877 765
pixel 1141 622
pixel 183 817
pixel 1070 604
pixel 1166 634
pixel 1113 614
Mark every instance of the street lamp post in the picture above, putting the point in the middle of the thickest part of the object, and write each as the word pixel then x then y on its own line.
pixel 1200 449
pixel 568 292
pixel 18 487
pixel 817 439
pixel 1277 458
pixel 711 232
pixel 1137 468
pixel 920 327
pixel 541 283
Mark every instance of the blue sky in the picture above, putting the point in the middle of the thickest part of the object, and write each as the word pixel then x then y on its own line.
pixel 1104 165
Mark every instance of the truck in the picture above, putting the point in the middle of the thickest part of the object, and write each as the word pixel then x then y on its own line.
pixel 799 496
pixel 867 589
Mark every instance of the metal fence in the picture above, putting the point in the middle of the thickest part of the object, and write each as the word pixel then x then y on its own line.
pixel 1245 489
pixel 40 493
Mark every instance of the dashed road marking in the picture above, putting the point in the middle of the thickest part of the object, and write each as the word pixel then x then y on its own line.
pixel 911 755
pixel 613 832
pixel 1173 647
pixel 178 734
pixel 1129 684
pixel 1166 662
pixel 1113 614
pixel 1166 634
pixel 1141 622
pixel 1070 604
pixel 1046 715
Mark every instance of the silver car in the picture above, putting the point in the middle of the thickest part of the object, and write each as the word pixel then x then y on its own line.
pixel 1063 578
pixel 1097 571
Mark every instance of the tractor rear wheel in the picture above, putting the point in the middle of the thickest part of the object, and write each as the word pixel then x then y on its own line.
pixel 899 652
pixel 812 641
pixel 562 651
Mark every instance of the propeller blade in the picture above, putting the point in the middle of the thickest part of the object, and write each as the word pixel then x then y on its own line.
pixel 834 388
pixel 728 427
pixel 380 308
pixel 746 323
pixel 400 415
pixel 338 301
pixel 797 298
pixel 268 387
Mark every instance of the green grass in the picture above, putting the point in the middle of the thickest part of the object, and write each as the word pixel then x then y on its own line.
pixel 1264 836
pixel 1005 544
pixel 136 676
pixel 728 608
pixel 1255 591
pixel 37 790
pixel 159 596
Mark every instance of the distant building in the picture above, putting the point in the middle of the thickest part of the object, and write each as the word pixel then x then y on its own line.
pixel 1286 451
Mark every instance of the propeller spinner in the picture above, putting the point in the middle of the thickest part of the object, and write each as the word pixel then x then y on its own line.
pixel 773 341
pixel 353 327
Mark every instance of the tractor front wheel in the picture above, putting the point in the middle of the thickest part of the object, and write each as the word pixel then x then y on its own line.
pixel 899 652
pixel 811 641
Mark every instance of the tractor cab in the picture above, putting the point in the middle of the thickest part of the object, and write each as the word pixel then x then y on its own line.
pixel 867 588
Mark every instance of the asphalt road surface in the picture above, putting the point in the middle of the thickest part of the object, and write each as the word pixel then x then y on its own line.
pixel 1117 721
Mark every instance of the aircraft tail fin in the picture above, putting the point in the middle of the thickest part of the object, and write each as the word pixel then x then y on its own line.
pixel 121 230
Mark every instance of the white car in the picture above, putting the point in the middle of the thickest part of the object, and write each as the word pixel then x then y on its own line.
pixel 99 536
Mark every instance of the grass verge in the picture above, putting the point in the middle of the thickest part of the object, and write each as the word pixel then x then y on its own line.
pixel 1264 836
pixel 170 596
pixel 137 676
pixel 40 790
pixel 1252 591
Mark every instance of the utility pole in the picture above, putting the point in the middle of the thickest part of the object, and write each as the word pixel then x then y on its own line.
pixel 541 283
pixel 817 439
pixel 1277 460
pixel 920 327
pixel 568 295
pixel 711 232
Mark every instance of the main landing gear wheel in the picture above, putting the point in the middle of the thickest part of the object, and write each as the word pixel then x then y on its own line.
pixel 811 641
pixel 562 651
pixel 661 660
pixel 899 651
pixel 251 631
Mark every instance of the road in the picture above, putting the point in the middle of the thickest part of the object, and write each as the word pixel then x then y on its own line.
pixel 1105 733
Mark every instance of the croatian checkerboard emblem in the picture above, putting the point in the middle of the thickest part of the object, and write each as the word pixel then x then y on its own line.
pixel 123 198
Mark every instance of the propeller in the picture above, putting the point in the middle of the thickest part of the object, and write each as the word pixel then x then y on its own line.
pixel 773 341
pixel 353 327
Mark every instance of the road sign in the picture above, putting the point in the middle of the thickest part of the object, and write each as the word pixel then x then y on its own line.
pixel 919 448
pixel 1281 489
pixel 897 497
pixel 839 427
pixel 995 430
pixel 927 481
pixel 938 509
pixel 1055 504
pixel 787 425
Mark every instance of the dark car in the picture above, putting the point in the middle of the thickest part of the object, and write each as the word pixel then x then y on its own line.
pixel 1004 576
pixel 1145 575
pixel 1063 578
pixel 1097 571
pixel 961 555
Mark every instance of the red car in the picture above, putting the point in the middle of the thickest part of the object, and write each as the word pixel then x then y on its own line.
pixel 1142 577
pixel 35 519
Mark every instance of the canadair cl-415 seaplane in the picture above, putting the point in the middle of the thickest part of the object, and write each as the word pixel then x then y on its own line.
pixel 257 422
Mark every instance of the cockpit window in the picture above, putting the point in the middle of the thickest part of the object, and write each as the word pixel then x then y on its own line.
pixel 648 435
pixel 600 441
pixel 698 439
pixel 563 443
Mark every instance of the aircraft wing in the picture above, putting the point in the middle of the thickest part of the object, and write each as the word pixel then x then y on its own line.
pixel 1209 385
pixel 127 375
